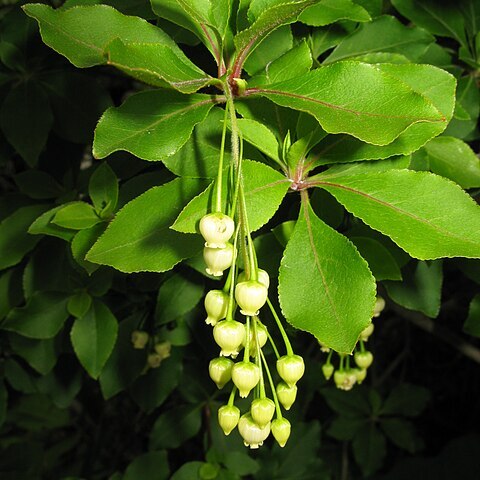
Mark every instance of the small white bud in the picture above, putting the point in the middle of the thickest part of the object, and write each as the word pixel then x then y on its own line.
pixel 217 229
pixel 250 296
pixel 218 259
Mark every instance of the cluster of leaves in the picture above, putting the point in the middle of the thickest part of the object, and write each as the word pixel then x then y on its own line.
pixel 353 106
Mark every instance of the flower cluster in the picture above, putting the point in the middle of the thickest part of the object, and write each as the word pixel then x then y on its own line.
pixel 246 292
pixel 157 351
pixel 346 376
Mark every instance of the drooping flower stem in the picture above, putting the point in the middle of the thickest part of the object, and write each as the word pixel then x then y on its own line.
pixel 288 345
pixel 278 410
pixel 219 183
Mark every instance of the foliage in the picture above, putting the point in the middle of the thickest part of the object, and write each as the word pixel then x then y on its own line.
pixel 351 170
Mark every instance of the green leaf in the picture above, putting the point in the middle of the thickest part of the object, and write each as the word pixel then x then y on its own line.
pixel 295 62
pixel 379 259
pixel 369 448
pixel 421 288
pixel 259 136
pixel 472 324
pixel 151 125
pixel 139 238
pixel 265 189
pixel 42 317
pixel 430 82
pixel 325 286
pixel 158 65
pixel 11 291
pixel 345 428
pixel 454 159
pixel 38 185
pixel 353 404
pixel 176 297
pixel 406 400
pixel 188 471
pixel 247 40
pixel 439 18
pixel 15 241
pixel 82 33
pixel 330 11
pixel 128 7
pixel 93 337
pixel 83 242
pixel 175 426
pixel 79 304
pixel 241 463
pixel 384 34
pixel 149 465
pixel 426 215
pixel 41 355
pixel 43 225
pixel 375 107
pixel 125 363
pixel 3 402
pixel 26 120
pixel 76 216
pixel 103 190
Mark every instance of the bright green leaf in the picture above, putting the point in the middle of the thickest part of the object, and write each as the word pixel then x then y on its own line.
pixel 93 337
pixel 259 136
pixel 43 225
pixel 152 125
pixel 426 215
pixel 325 286
pixel 329 11
pixel 76 216
pixel 42 317
pixel 139 238
pixel 82 33
pixel 356 98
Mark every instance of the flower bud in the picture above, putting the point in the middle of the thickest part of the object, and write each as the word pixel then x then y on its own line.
pixel 291 368
pixel 228 416
pixel 327 369
pixel 250 296
pixel 217 229
pixel 363 359
pixel 139 339
pixel 262 277
pixel 163 349
pixel 323 347
pixel 229 335
pixel 216 305
pixel 262 410
pixel 344 379
pixel 281 429
pixel 154 360
pixel 262 337
pixel 379 306
pixel 245 376
pixel 218 259
pixel 220 370
pixel 286 395
pixel 360 374
pixel 253 435
pixel 366 332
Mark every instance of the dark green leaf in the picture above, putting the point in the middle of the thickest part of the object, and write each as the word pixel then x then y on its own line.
pixel 369 448
pixel 79 304
pixel 103 190
pixel 406 400
pixel 152 125
pixel 41 355
pixel 38 185
pixel 42 317
pixel 325 286
pixel 139 238
pixel 151 465
pixel 472 324
pixel 83 242
pixel 402 433
pixel 93 337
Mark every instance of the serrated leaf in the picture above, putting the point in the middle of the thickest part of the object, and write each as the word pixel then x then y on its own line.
pixel 156 64
pixel 151 125
pixel 42 317
pixel 384 34
pixel 81 33
pixel 43 225
pixel 93 337
pixel 426 215
pixel 247 40
pixel 259 136
pixel 139 237
pixel 128 7
pixel 329 11
pixel 15 241
pixel 26 120
pixel 103 190
pixel 420 289
pixel 325 286
pixel 356 98
pixel 433 83
pixel 76 216
pixel 454 159
pixel 264 191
